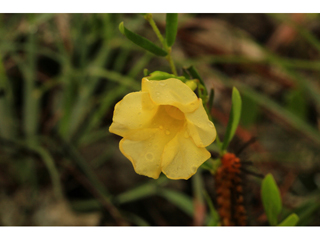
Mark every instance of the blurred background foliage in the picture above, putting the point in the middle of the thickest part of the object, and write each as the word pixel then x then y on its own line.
pixel 61 75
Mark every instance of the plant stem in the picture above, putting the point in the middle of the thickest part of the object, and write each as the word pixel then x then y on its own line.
pixel 170 60
pixel 149 18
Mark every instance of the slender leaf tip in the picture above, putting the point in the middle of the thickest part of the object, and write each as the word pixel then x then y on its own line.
pixel 121 28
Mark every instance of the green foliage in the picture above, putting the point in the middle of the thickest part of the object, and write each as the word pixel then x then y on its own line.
pixel 214 218
pixel 171 28
pixel 148 189
pixel 50 120
pixel 234 118
pixel 271 199
pixel 142 42
pixel 250 111
pixel 194 74
pixel 291 220
pixel 211 98
pixel 297 103
pixel 159 75
pixel 181 200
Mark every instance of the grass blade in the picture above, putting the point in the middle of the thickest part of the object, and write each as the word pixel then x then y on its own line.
pixel 234 118
pixel 142 42
pixel 171 28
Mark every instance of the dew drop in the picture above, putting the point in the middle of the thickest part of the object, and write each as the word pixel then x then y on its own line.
pixel 139 113
pixel 149 156
pixel 160 127
pixel 194 169
pixel 162 84
pixel 157 94
pixel 167 132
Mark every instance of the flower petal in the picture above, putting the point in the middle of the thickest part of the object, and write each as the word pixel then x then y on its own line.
pixel 144 149
pixel 200 128
pixel 134 111
pixel 171 92
pixel 181 157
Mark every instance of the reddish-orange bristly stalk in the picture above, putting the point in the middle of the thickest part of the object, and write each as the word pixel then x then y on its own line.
pixel 229 192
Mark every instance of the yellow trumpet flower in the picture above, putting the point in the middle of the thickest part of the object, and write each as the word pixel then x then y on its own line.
pixel 165 128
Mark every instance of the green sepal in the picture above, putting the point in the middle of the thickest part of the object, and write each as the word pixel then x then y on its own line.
pixel 271 199
pixel 171 28
pixel 216 163
pixel 146 72
pixel 234 118
pixel 290 221
pixel 142 42
pixel 192 84
pixel 194 74
pixel 159 75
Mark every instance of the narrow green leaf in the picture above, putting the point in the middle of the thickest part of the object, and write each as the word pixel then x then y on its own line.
pixel 211 98
pixel 250 111
pixel 148 189
pixel 291 220
pixel 52 169
pixel 6 105
pixel 185 73
pixel 234 118
pixel 182 201
pixel 271 199
pixel 214 216
pixel 274 107
pixel 307 210
pixel 194 74
pixel 142 42
pixel 171 28
pixel 297 103
pixel 135 219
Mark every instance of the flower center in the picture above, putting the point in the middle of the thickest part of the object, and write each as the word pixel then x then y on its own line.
pixel 174 112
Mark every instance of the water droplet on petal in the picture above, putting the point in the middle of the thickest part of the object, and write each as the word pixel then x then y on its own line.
pixel 139 113
pixel 167 132
pixel 149 156
pixel 158 94
pixel 194 169
pixel 162 84
pixel 160 127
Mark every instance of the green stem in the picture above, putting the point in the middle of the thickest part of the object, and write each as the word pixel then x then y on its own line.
pixel 149 18
pixel 170 60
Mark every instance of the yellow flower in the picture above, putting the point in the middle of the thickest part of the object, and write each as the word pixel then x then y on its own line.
pixel 164 128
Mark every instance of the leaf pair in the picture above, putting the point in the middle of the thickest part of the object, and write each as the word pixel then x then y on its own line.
pixel 271 200
pixel 171 32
